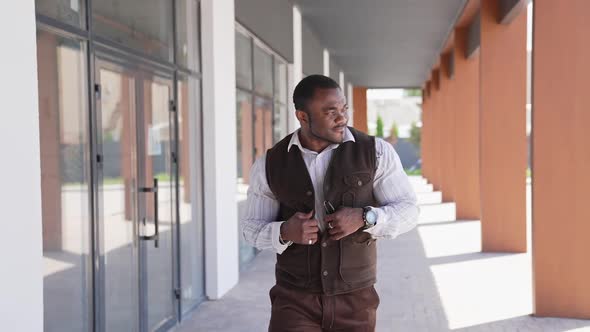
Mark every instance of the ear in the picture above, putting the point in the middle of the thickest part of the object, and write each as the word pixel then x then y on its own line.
pixel 301 116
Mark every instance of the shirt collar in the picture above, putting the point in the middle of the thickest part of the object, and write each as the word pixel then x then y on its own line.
pixel 348 137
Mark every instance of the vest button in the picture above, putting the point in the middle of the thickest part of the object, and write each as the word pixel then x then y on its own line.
pixel 308 193
pixel 324 244
pixel 360 183
pixel 325 273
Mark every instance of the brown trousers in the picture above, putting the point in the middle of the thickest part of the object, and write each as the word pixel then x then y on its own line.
pixel 295 311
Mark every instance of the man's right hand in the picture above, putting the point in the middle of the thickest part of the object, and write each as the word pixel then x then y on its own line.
pixel 300 229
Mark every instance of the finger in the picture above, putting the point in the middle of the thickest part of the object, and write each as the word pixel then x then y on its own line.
pixel 330 217
pixel 303 215
pixel 310 223
pixel 311 230
pixel 311 240
pixel 333 224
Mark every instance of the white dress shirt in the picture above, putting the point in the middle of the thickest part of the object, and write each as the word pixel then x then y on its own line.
pixel 397 212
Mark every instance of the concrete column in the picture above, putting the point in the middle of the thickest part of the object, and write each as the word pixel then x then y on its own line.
pixel 350 101
pixel 326 55
pixel 467 190
pixel 447 125
pixel 359 96
pixel 503 130
pixel 561 158
pixel 436 118
pixel 295 69
pixel 21 252
pixel 219 144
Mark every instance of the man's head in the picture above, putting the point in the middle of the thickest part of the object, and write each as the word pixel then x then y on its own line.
pixel 321 108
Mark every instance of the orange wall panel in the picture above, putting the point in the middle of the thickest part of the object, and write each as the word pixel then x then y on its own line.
pixel 503 131
pixel 359 99
pixel 447 130
pixel 467 191
pixel 561 158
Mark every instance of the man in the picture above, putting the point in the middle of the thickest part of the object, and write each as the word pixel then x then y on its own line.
pixel 320 198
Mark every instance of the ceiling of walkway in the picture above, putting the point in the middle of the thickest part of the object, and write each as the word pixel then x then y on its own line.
pixel 382 43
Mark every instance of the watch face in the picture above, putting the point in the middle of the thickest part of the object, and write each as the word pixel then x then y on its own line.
pixel 371 217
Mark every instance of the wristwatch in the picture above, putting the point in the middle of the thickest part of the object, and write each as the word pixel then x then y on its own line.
pixel 369 217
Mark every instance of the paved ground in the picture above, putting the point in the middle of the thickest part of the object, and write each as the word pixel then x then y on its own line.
pixel 433 278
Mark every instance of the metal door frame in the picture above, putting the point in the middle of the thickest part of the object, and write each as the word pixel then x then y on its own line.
pixel 105 57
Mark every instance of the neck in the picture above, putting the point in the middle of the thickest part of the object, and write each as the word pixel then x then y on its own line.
pixel 311 142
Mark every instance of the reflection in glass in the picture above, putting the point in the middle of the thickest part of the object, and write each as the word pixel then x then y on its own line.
pixel 187 31
pixel 156 164
pixel 245 160
pixel 280 81
pixel 244 135
pixel 117 195
pixel 280 122
pixel 262 126
pixel 145 25
pixel 263 79
pixel 190 193
pixel 67 11
pixel 64 182
pixel 243 61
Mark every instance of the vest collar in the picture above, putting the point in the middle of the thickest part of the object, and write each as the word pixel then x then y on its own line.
pixel 348 136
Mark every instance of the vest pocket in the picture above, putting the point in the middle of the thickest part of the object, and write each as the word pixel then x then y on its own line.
pixel 358 258
pixel 357 179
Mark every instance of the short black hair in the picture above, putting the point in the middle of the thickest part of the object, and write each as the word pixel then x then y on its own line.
pixel 305 90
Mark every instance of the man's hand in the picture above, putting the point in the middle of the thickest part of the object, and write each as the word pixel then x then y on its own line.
pixel 344 222
pixel 300 228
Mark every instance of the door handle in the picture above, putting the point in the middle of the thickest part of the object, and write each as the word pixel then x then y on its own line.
pixel 156 234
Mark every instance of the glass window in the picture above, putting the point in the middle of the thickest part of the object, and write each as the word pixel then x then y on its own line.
pixel 63 131
pixel 245 160
pixel 187 30
pixel 243 61
pixel 280 122
pixel 244 135
pixel 190 192
pixel 263 132
pixel 263 72
pixel 145 25
pixel 67 11
pixel 281 81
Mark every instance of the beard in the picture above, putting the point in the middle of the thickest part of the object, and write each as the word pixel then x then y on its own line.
pixel 320 136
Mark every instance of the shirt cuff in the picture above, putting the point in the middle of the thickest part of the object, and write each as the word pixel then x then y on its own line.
pixel 276 233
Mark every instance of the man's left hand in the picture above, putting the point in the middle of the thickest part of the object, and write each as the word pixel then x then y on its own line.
pixel 344 222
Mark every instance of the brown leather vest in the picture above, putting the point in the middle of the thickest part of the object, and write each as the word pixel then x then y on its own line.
pixel 329 267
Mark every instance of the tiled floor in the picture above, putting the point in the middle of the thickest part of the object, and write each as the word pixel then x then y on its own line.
pixel 433 278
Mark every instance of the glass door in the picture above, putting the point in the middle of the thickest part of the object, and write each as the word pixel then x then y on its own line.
pixel 135 284
pixel 156 201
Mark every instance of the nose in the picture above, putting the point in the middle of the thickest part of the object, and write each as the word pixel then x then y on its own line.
pixel 342 118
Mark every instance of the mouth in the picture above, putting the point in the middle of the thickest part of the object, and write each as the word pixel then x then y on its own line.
pixel 339 129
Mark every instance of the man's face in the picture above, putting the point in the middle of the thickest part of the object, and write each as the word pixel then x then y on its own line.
pixel 328 115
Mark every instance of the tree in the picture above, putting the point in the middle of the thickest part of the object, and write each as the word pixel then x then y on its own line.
pixel 413 92
pixel 379 126
pixel 415 135
pixel 393 134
